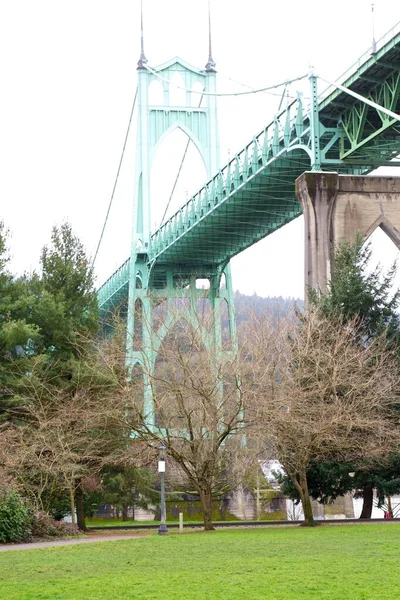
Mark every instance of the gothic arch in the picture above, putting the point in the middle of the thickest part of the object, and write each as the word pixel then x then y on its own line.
pixel 190 135
pixel 163 182
pixel 340 207
pixel 171 321
pixel 387 227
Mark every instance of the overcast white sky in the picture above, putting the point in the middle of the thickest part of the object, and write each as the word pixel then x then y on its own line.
pixel 68 78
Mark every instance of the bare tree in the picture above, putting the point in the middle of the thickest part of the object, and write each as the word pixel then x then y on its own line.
pixel 198 403
pixel 202 400
pixel 328 398
pixel 67 435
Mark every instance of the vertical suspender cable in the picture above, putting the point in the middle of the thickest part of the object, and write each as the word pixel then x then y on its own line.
pixel 116 180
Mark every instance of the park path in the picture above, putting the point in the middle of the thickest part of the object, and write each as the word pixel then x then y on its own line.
pixel 87 540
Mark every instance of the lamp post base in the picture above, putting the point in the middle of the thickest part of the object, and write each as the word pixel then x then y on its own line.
pixel 163 529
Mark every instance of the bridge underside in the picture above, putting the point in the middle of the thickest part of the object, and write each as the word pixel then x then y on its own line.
pixel 368 136
pixel 221 228
pixel 248 213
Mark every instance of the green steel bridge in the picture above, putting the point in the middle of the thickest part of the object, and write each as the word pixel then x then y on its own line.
pixel 352 127
pixel 254 194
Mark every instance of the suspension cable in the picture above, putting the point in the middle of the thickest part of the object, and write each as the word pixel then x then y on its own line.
pixel 116 179
pixel 179 171
pixel 265 89
pixel 202 93
pixel 250 87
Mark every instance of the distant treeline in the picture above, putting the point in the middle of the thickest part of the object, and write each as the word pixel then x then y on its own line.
pixel 277 306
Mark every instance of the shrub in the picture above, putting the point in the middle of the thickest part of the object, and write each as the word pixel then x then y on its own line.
pixel 43 526
pixel 15 518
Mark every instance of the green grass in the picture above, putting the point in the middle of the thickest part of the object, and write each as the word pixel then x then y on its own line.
pixel 340 562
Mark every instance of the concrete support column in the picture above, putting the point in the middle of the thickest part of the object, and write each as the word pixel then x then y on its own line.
pixel 317 193
pixel 338 207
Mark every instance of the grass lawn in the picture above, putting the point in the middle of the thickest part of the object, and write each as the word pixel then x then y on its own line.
pixel 335 562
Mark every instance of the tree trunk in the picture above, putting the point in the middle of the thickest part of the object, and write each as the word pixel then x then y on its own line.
pixel 206 502
pixel 368 496
pixel 124 512
pixel 72 505
pixel 390 507
pixel 307 509
pixel 302 487
pixel 258 501
pixel 80 507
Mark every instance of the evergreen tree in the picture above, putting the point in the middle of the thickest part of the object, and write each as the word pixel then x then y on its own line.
pixel 126 487
pixel 16 334
pixel 356 291
pixel 48 323
pixel 66 313
pixel 65 309
pixel 51 314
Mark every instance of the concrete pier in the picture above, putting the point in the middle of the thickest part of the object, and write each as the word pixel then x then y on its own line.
pixel 338 207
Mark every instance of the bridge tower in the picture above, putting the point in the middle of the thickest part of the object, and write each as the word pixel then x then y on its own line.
pixel 152 283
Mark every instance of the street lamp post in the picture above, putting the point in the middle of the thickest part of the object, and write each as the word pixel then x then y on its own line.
pixel 162 530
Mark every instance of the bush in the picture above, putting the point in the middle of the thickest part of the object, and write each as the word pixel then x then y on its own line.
pixel 44 526
pixel 15 518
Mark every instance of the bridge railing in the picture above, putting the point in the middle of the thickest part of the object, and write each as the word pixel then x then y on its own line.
pixel 113 283
pixel 286 129
pixel 395 30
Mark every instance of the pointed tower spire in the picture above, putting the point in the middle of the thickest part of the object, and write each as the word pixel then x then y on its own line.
pixel 210 66
pixel 142 60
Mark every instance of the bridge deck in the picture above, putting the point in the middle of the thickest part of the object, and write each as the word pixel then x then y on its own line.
pixel 253 195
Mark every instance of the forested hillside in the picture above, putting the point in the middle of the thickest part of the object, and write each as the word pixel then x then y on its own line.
pixel 277 307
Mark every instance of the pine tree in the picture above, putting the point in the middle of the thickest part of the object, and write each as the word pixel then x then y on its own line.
pixel 66 314
pixel 16 334
pixel 66 302
pixel 48 323
pixel 356 291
